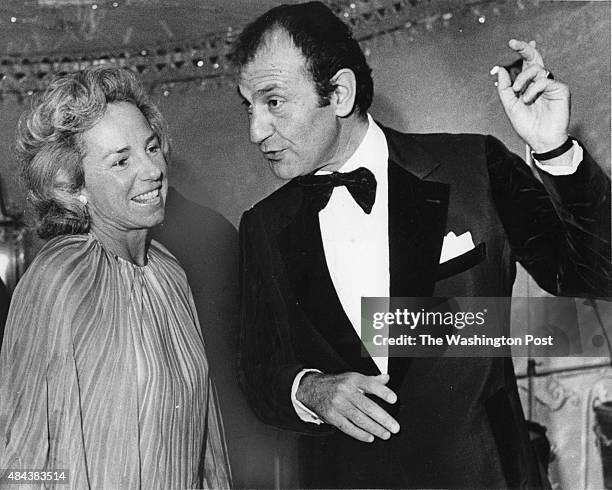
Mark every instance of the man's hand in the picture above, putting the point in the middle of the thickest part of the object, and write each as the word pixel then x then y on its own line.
pixel 339 400
pixel 538 107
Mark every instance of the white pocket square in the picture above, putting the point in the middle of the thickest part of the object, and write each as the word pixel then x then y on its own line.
pixel 454 246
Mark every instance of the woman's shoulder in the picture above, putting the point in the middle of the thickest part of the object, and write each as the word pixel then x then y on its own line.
pixel 156 248
pixel 167 264
pixel 59 253
pixel 61 263
pixel 75 260
pixel 64 244
pixel 56 282
pixel 159 252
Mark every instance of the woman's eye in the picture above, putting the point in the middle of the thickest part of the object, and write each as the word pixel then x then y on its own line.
pixel 153 149
pixel 120 163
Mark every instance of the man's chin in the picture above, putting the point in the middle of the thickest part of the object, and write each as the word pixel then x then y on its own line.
pixel 283 170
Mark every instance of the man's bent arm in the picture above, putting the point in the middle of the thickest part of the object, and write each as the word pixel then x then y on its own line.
pixel 559 229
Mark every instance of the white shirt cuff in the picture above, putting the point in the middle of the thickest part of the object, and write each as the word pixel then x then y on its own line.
pixel 302 410
pixel 563 169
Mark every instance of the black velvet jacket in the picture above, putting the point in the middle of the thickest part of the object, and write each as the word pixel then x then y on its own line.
pixel 461 420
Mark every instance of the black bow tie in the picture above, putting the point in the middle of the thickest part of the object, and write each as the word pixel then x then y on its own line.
pixel 361 183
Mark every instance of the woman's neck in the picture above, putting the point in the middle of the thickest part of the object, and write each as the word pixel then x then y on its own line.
pixel 129 245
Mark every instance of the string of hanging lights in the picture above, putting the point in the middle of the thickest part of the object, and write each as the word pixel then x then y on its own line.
pixel 204 62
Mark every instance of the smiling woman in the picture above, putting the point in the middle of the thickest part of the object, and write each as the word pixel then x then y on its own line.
pixel 125 179
pixel 103 373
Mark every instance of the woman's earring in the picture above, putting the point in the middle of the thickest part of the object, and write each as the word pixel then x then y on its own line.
pixel 83 199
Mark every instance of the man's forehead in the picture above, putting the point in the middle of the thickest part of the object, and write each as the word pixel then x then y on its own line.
pixel 277 56
pixel 275 35
pixel 277 46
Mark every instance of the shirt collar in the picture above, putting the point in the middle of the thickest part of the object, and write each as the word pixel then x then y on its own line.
pixel 372 153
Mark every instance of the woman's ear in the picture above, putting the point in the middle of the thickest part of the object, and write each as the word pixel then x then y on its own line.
pixel 83 196
pixel 345 92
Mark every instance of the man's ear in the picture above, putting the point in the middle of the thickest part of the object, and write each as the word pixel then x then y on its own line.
pixel 345 91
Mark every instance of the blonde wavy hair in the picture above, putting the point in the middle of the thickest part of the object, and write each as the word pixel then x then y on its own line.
pixel 49 145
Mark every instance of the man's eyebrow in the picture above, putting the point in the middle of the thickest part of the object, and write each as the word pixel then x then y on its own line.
pixel 266 89
pixel 260 92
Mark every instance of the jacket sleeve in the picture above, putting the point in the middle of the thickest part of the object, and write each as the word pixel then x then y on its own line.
pixel 267 363
pixel 558 226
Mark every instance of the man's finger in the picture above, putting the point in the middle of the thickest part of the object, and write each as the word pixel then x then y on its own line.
pixel 350 429
pixel 364 422
pixel 506 94
pixel 523 49
pixel 527 76
pixel 378 414
pixel 535 89
pixel 374 386
pixel 527 51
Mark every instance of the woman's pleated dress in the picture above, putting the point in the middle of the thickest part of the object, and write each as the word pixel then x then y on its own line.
pixel 103 373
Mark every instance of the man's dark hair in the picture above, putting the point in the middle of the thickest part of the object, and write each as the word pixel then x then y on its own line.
pixel 326 42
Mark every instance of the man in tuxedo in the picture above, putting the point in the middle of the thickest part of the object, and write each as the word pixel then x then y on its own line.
pixel 366 212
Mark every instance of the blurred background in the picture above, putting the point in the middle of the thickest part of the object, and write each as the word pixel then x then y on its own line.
pixel 430 61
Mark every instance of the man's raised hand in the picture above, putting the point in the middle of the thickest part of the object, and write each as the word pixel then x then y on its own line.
pixel 537 106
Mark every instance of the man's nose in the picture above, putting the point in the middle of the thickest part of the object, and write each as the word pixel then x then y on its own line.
pixel 260 127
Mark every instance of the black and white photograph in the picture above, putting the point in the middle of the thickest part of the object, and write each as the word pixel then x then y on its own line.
pixel 337 244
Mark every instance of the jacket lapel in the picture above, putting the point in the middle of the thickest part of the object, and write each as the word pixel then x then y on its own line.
pixel 417 219
pixel 301 247
pixel 418 210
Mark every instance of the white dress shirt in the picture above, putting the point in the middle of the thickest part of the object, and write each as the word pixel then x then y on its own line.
pixel 356 244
